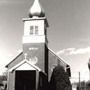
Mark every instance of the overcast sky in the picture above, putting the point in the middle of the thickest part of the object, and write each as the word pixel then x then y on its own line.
pixel 68 34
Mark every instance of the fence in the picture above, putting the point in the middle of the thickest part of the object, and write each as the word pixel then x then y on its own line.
pixel 83 88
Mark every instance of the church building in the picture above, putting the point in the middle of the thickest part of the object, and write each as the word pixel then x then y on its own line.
pixel 33 67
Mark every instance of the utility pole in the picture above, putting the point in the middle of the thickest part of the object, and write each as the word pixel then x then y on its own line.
pixel 89 67
pixel 79 81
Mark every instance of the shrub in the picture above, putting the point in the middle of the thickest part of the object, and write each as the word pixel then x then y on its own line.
pixel 59 79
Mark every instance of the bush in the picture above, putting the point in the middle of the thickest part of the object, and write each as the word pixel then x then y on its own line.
pixel 59 79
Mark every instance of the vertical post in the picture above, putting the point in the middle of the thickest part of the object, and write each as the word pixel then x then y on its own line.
pixel 85 85
pixel 79 81
pixel 8 80
pixel 37 79
pixel 89 68
pixel 89 74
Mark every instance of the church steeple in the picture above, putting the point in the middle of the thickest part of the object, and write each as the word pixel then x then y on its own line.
pixel 35 43
pixel 36 10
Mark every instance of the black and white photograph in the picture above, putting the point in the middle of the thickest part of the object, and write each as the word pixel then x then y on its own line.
pixel 44 44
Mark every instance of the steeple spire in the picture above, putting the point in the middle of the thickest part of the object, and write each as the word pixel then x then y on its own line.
pixel 36 10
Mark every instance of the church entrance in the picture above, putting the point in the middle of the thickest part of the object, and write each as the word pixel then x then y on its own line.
pixel 25 80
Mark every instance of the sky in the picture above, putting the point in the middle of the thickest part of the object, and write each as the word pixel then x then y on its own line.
pixel 68 32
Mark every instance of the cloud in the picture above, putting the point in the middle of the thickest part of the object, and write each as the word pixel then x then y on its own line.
pixel 80 51
pixel 65 51
pixel 74 51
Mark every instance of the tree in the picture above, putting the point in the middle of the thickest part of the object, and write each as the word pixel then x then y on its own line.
pixel 59 79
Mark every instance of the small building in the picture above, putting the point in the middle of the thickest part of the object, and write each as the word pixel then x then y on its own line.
pixel 33 67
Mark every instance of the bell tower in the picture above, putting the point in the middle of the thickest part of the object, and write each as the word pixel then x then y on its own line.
pixel 35 43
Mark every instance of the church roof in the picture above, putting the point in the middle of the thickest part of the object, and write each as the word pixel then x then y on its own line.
pixel 50 52
pixel 14 59
pixel 58 58
pixel 19 63
pixel 31 66
pixel 36 10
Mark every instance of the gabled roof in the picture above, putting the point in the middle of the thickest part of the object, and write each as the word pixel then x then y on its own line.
pixel 23 62
pixel 58 58
pixel 14 59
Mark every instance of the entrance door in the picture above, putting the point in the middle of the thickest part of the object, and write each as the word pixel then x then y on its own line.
pixel 25 80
